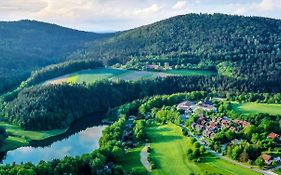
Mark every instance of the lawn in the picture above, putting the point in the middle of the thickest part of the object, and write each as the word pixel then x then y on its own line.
pixel 191 72
pixel 254 108
pixel 132 160
pixel 169 150
pixel 20 137
pixel 278 171
pixel 93 75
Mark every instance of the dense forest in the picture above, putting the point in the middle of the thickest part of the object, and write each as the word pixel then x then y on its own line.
pixel 26 45
pixel 248 47
pixel 56 106
pixel 237 46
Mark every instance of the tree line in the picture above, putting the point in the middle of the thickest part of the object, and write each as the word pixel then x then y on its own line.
pixel 250 46
pixel 56 106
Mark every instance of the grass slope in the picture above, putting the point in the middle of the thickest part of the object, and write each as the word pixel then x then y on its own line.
pixel 191 72
pixel 169 148
pixel 20 137
pixel 253 108
pixel 90 76
pixel 132 160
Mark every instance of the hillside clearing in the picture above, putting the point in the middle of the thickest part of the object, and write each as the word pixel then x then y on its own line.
pixel 90 76
pixel 191 72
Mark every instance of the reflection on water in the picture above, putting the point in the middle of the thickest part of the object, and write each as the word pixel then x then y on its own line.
pixel 82 142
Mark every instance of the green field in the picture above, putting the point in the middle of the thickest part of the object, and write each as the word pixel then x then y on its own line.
pixel 254 108
pixel 132 160
pixel 19 137
pixel 278 171
pixel 89 76
pixel 169 150
pixel 191 72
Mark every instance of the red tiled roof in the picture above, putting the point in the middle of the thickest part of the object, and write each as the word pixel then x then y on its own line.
pixel 266 157
pixel 273 135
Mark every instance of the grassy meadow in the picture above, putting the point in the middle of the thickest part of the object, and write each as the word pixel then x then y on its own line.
pixel 254 108
pixel 90 76
pixel 191 72
pixel 19 137
pixel 169 150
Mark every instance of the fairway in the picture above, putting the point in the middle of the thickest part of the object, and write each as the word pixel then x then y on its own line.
pixel 169 152
pixel 132 160
pixel 254 108
pixel 90 76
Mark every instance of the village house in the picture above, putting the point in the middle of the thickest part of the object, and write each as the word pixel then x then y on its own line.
pixel 273 136
pixel 152 67
pixel 267 159
pixel 209 127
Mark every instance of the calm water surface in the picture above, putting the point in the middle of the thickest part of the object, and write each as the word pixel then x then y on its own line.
pixel 77 144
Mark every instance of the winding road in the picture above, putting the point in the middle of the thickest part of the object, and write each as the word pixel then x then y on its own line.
pixel 199 139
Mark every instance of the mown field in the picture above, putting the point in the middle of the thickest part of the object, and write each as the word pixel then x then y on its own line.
pixel 191 72
pixel 19 137
pixel 169 152
pixel 132 161
pixel 89 76
pixel 254 108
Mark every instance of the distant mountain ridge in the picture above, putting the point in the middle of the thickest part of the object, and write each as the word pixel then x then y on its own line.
pixel 26 45
pixel 249 46
pixel 242 47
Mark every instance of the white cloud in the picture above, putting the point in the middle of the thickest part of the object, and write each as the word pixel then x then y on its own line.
pixel 180 5
pixel 149 10
pixel 269 5
pixel 269 8
pixel 101 15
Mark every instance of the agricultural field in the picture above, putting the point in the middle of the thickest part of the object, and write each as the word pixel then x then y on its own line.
pixel 191 72
pixel 254 108
pixel 19 137
pixel 169 152
pixel 90 76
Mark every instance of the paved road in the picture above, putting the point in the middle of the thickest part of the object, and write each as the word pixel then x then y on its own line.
pixel 144 158
pixel 199 139
pixel 275 168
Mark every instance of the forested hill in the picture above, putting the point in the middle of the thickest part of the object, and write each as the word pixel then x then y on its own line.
pixel 249 47
pixel 26 45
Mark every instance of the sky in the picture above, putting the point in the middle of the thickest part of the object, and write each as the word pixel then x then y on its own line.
pixel 117 15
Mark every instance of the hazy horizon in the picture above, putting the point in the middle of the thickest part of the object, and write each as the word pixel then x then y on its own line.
pixel 113 15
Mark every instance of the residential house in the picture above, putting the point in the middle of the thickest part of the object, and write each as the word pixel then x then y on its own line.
pixel 267 159
pixel 274 136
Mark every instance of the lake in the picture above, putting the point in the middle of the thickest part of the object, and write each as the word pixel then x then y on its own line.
pixel 83 142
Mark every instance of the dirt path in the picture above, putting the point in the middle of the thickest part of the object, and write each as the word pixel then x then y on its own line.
pixel 144 158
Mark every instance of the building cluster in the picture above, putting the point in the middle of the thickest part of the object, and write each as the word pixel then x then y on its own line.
pixel 190 107
pixel 210 126
pixel 166 66
pixel 128 138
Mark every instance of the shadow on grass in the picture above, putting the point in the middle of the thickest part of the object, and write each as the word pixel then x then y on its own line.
pixel 209 158
pixel 164 138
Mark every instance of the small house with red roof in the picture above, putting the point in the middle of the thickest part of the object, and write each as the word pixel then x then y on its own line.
pixel 273 135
